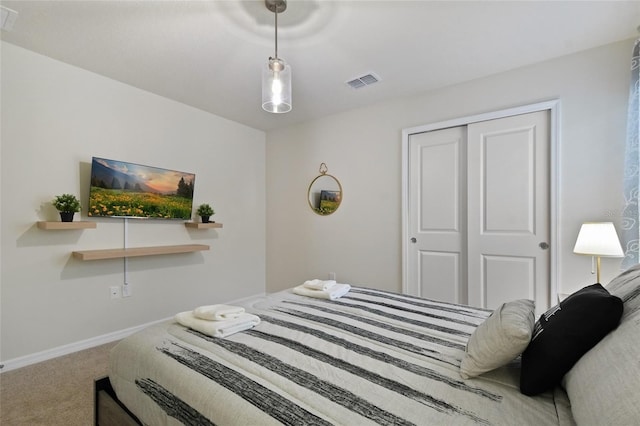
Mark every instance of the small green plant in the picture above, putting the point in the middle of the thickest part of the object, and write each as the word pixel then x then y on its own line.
pixel 205 210
pixel 67 203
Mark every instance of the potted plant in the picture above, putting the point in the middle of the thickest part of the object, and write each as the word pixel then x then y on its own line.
pixel 205 211
pixel 67 205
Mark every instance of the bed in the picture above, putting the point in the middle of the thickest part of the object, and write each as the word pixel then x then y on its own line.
pixel 370 357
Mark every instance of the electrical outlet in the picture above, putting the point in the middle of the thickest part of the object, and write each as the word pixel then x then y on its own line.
pixel 126 290
pixel 115 292
pixel 332 276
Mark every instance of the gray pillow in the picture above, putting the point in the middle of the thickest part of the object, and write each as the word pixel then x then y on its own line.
pixel 499 339
pixel 603 385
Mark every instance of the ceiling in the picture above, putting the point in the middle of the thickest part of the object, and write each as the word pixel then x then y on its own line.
pixel 209 54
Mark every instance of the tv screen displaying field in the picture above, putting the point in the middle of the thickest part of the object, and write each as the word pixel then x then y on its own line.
pixel 121 189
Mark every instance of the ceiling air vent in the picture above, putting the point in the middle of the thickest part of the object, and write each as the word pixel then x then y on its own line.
pixel 364 80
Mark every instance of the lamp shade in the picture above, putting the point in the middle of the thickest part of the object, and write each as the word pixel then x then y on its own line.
pixel 276 86
pixel 598 239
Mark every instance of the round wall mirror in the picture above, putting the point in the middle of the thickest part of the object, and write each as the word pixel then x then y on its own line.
pixel 325 193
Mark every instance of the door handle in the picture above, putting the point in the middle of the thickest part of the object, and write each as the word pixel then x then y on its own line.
pixel 413 240
pixel 543 245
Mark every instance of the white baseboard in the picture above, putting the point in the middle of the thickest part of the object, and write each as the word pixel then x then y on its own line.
pixel 34 358
pixel 23 361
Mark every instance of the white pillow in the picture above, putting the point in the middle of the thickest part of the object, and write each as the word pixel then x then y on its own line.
pixel 499 339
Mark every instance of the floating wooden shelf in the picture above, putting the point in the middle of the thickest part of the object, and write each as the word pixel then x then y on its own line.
pixel 200 225
pixel 138 251
pixel 66 225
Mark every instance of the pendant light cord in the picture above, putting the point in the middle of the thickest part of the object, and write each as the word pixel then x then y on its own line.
pixel 276 12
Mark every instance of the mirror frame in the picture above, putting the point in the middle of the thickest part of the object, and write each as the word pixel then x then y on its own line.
pixel 315 209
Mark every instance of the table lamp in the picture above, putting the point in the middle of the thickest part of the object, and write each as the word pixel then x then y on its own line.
pixel 598 239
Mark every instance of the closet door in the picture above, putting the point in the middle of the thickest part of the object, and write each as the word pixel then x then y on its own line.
pixel 508 210
pixel 437 215
pixel 479 212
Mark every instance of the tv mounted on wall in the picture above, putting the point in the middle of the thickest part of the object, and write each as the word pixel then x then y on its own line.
pixel 121 189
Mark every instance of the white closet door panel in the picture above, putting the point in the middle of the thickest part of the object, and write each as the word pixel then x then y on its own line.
pixel 508 190
pixel 439 189
pixel 437 212
pixel 506 278
pixel 508 209
pixel 440 275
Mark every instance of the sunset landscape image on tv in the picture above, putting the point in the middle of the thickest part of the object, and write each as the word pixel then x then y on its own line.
pixel 121 189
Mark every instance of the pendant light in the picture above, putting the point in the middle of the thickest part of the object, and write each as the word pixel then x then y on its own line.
pixel 276 74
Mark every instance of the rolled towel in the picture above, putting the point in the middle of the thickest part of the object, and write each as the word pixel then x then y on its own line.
pixel 217 328
pixel 319 284
pixel 218 312
pixel 335 292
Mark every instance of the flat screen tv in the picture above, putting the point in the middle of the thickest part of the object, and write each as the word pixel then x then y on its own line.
pixel 121 189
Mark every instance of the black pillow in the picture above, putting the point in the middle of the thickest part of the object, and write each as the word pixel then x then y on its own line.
pixel 566 332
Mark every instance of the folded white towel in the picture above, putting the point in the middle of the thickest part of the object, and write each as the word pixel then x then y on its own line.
pixel 218 312
pixel 319 284
pixel 217 328
pixel 335 292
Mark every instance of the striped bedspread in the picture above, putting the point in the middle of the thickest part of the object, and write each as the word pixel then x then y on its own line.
pixel 370 357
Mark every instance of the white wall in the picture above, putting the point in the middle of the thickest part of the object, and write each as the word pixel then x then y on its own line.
pixel 55 117
pixel 361 242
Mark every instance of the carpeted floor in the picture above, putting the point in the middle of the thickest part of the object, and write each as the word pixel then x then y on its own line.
pixel 57 392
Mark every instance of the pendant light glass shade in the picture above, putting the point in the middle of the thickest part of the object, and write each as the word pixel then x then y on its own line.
pixel 276 86
pixel 276 74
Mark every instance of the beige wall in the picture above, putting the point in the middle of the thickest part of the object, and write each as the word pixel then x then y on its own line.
pixel 55 117
pixel 361 242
